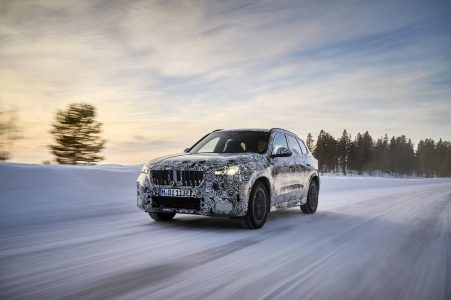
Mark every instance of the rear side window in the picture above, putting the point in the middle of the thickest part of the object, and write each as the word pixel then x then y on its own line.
pixel 294 146
pixel 303 147
pixel 279 141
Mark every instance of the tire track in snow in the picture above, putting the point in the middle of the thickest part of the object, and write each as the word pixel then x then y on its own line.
pixel 122 283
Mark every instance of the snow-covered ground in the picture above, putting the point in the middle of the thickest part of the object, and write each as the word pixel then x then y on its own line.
pixel 75 232
pixel 372 174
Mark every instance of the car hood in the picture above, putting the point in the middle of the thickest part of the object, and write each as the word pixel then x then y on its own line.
pixel 189 160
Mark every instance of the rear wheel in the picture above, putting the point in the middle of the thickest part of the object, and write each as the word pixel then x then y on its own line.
pixel 258 207
pixel 159 216
pixel 312 199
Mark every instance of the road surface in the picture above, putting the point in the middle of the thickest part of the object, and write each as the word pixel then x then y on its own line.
pixel 69 232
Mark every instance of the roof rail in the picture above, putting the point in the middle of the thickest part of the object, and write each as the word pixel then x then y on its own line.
pixel 277 128
pixel 217 130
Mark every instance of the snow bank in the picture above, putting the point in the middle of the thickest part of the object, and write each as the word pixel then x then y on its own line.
pixel 32 195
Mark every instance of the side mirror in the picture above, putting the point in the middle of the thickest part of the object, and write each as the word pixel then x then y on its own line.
pixel 282 152
pixel 186 150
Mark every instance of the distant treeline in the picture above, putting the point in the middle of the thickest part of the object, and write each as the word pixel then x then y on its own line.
pixel 395 155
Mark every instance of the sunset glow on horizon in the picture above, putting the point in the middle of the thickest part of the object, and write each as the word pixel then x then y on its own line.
pixel 162 74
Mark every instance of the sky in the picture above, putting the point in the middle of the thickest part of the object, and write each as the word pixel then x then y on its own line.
pixel 164 73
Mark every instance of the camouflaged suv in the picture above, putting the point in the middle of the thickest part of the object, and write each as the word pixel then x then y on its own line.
pixel 240 173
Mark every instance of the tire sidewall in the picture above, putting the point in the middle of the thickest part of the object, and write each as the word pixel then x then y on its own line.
pixel 258 224
pixel 311 208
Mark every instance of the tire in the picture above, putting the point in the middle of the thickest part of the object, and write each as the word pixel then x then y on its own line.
pixel 159 216
pixel 312 199
pixel 258 207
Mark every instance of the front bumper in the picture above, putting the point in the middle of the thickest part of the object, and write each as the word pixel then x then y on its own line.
pixel 217 196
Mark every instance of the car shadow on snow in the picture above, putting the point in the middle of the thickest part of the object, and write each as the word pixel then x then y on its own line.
pixel 190 222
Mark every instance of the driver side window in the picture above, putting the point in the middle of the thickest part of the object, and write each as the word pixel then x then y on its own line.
pixel 279 141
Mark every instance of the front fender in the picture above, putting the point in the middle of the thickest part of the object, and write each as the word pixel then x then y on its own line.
pixel 256 175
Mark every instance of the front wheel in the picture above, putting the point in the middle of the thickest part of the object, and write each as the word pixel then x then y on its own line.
pixel 159 216
pixel 312 199
pixel 258 207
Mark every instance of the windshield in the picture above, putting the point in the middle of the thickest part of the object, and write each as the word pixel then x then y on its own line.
pixel 233 142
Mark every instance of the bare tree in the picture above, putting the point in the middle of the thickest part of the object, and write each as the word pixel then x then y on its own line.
pixel 9 132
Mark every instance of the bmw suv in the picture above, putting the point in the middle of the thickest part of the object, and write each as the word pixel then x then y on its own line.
pixel 240 173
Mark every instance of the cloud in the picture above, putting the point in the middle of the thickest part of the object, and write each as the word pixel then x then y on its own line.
pixel 173 70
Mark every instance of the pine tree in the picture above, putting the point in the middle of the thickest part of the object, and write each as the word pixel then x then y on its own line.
pixel 367 151
pixel 446 163
pixel 343 150
pixel 409 158
pixel 441 150
pixel 426 157
pixel 402 155
pixel 381 158
pixel 385 162
pixel 310 142
pixel 356 154
pixel 326 151
pixel 394 155
pixel 76 134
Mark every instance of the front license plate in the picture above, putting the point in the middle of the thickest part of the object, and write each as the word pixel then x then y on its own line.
pixel 174 192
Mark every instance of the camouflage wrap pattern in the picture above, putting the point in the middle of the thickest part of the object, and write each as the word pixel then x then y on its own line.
pixel 232 190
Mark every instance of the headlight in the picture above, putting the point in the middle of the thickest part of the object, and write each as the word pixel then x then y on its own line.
pixel 229 171
pixel 145 170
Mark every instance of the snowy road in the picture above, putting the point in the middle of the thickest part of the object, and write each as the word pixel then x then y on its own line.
pixel 73 232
